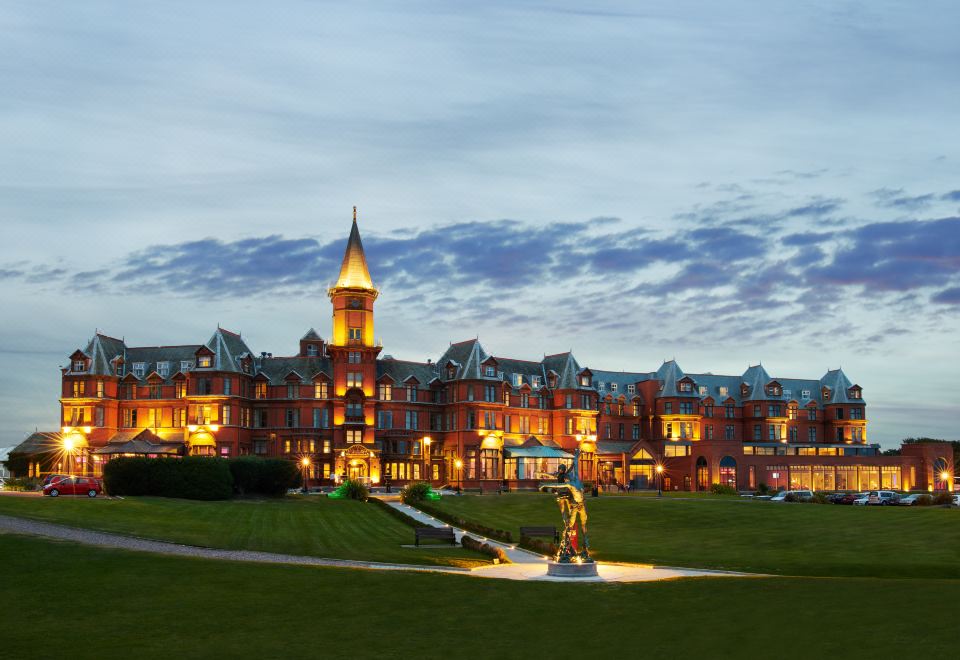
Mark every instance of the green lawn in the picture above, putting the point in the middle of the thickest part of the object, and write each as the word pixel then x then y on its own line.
pixel 316 526
pixel 97 603
pixel 731 533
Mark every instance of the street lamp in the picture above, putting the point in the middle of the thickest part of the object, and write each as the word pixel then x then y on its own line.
pixel 458 464
pixel 305 464
pixel 426 457
pixel 68 446
pixel 659 480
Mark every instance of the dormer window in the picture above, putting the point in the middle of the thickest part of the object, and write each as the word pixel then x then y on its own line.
pixel 490 371
pixel 585 381
pixel 163 369
pixel 186 365
pixel 825 393
pixel 703 390
pixel 724 390
pixel 805 394
pixel 205 361
pixel 613 387
pixel 451 371
pixel 79 365
pixel 535 381
pixel 854 392
pixel 517 380
pixel 139 368
pixel 631 388
pixel 312 350
pixel 773 390
pixel 686 386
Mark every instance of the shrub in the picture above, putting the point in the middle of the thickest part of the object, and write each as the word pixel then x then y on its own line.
pixel 22 484
pixel 723 489
pixel 943 498
pixel 762 488
pixel 791 498
pixel 490 550
pixel 818 498
pixel 191 477
pixel 496 534
pixel 539 546
pixel 272 477
pixel 924 500
pixel 356 490
pixel 415 492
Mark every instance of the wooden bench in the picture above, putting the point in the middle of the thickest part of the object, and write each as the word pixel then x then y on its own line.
pixel 442 533
pixel 533 532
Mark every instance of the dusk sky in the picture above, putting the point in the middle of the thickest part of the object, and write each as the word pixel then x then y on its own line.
pixel 724 183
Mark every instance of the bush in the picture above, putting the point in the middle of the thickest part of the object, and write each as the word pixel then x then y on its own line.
pixel 723 489
pixel 415 492
pixel 819 498
pixel 191 477
pixel 943 498
pixel 790 497
pixel 356 490
pixel 22 484
pixel 924 500
pixel 539 546
pixel 762 488
pixel 272 477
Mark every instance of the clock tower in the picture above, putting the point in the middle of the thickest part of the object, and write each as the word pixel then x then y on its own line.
pixel 353 353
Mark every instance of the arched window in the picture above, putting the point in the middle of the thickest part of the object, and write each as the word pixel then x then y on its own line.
pixel 728 471
pixel 703 474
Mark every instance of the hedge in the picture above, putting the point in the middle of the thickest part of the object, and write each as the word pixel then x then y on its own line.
pixel 495 534
pixel 191 477
pixel 272 477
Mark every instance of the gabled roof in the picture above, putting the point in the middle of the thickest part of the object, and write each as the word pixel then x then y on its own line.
pixel 354 273
pixel 311 336
pixel 756 378
pixel 566 367
pixel 468 355
pixel 276 369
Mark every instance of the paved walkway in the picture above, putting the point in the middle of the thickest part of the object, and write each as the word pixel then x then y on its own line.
pixel 526 565
pixel 531 566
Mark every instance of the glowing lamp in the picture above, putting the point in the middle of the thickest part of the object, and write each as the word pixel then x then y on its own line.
pixel 67 429
pixel 305 461
pixel 192 428
pixel 68 444
pixel 87 429
pixel 214 428
pixel 458 464
pixel 659 469
pixel 427 440
pixel 944 476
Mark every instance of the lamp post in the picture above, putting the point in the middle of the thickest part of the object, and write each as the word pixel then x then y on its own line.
pixel 68 447
pixel 458 464
pixel 659 480
pixel 426 457
pixel 305 464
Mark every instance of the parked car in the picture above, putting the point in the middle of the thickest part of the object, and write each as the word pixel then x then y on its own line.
pixel 882 497
pixel 50 477
pixel 956 500
pixel 837 498
pixel 73 486
pixel 798 494
pixel 862 499
pixel 910 500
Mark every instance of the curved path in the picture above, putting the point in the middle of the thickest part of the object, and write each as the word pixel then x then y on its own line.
pixel 527 566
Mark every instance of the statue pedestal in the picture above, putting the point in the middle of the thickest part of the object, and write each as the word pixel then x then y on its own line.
pixel 573 570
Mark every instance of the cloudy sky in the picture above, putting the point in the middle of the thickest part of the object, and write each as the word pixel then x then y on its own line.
pixel 720 183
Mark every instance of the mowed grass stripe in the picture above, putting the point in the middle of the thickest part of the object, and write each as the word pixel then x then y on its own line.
pixel 755 536
pixel 340 529
pixel 236 610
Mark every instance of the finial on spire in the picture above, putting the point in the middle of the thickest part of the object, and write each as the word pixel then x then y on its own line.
pixel 354 213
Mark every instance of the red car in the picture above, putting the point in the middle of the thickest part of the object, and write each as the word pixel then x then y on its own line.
pixel 73 486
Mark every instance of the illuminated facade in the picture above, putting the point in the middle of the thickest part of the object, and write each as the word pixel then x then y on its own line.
pixel 469 418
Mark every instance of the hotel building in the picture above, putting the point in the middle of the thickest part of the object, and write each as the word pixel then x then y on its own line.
pixel 469 418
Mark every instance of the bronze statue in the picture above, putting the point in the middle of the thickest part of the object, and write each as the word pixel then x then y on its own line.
pixel 574 546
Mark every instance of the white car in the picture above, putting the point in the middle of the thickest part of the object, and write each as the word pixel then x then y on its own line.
pixel 956 500
pixel 882 497
pixel 799 494
pixel 862 499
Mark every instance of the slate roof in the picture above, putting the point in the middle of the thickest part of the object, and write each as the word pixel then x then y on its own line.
pixel 101 350
pixel 839 386
pixel 622 379
pixel 39 442
pixel 401 370
pixel 228 347
pixel 151 355
pixel 276 369
pixel 615 446
pixel 311 335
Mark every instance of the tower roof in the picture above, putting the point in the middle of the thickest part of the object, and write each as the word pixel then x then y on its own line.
pixel 354 273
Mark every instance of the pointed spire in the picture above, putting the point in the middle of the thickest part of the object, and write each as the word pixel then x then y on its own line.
pixel 354 273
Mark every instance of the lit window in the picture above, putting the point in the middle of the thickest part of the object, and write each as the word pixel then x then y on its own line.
pixel 354 379
pixel 386 392
pixel 320 390
pixel 354 334
pixel 204 361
